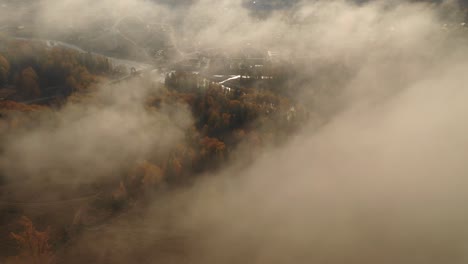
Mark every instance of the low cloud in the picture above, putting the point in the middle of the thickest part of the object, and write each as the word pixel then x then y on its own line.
pixel 94 138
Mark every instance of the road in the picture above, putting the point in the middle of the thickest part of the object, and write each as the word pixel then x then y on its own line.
pixel 135 68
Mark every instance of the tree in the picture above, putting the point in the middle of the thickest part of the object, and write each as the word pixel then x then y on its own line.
pixel 72 83
pixel 213 147
pixel 33 244
pixel 4 70
pixel 144 176
pixel 152 174
pixel 28 83
pixel 177 166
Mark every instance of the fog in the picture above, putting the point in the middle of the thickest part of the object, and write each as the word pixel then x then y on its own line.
pixel 93 137
pixel 383 180
pixel 377 184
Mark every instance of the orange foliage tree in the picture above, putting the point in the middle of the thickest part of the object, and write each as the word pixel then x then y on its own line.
pixel 34 245
pixel 144 176
pixel 213 147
